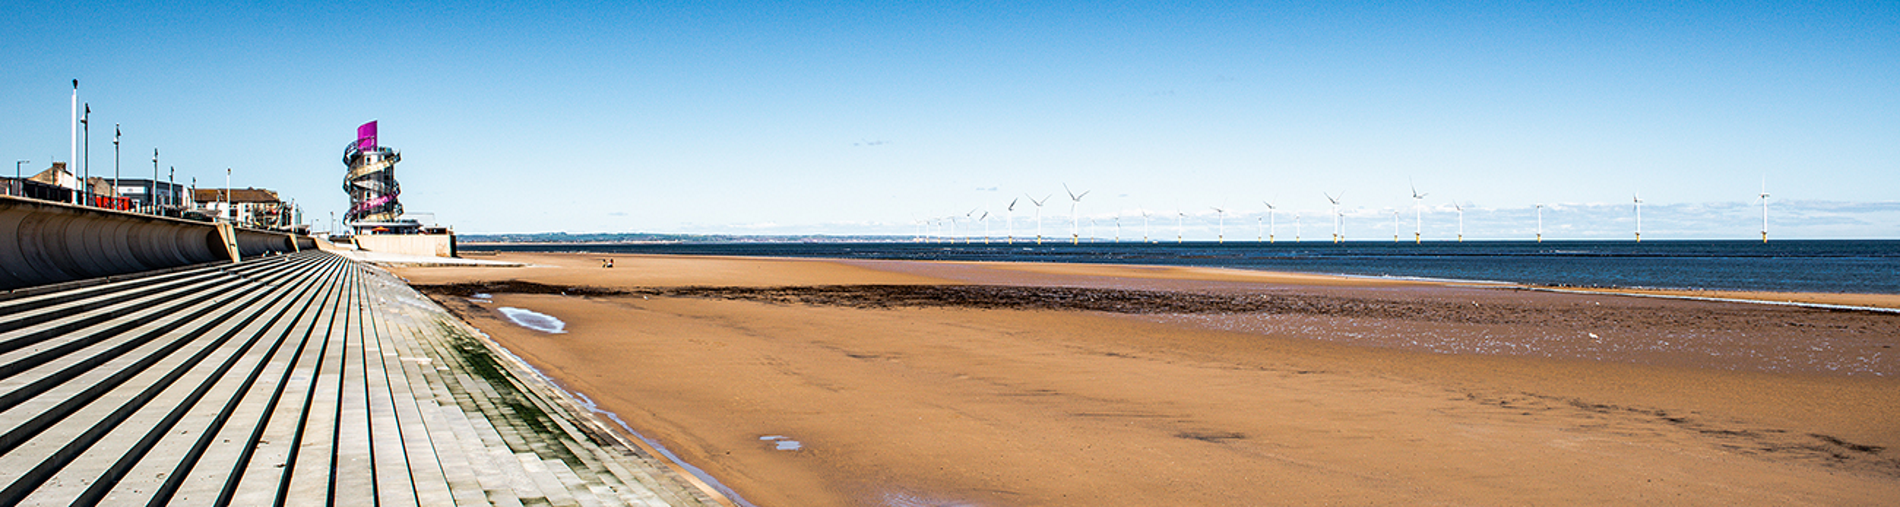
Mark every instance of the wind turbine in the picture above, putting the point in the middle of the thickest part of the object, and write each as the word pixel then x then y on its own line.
pixel 1540 223
pixel 1296 227
pixel 1461 221
pixel 1075 229
pixel 1144 226
pixel 1638 199
pixel 986 232
pixel 1418 207
pixel 1259 229
pixel 1764 209
pixel 986 226
pixel 1178 227
pixel 1011 221
pixel 1395 226
pixel 1118 227
pixel 1221 236
pixel 1271 227
pixel 1335 201
pixel 1032 200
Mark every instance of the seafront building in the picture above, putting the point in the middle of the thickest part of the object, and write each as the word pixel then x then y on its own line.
pixel 251 207
pixel 145 193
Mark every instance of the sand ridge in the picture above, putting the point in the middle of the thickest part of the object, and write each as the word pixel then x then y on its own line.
pixel 940 404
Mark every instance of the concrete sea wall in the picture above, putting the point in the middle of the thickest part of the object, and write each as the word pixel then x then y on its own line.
pixel 44 242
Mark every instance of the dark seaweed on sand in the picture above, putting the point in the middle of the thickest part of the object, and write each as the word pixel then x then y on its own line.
pixel 1580 312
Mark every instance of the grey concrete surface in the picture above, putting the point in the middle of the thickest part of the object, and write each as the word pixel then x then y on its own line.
pixel 301 379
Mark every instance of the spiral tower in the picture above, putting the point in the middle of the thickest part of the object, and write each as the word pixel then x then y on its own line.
pixel 371 182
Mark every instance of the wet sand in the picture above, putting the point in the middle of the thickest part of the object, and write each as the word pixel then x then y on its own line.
pixel 907 383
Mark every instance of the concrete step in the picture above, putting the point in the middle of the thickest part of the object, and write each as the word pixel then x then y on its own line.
pixel 100 408
pixel 301 379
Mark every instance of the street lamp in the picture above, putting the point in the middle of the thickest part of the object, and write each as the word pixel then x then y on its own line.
pixel 85 185
pixel 16 175
pixel 154 199
pixel 115 166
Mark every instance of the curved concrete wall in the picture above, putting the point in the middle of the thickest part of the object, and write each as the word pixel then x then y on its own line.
pixel 45 242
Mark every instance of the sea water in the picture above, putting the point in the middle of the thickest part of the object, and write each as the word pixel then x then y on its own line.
pixel 1856 266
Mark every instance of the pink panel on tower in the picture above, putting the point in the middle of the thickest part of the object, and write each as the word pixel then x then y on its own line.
pixel 366 136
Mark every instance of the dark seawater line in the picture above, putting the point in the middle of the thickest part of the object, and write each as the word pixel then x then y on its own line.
pixel 1845 266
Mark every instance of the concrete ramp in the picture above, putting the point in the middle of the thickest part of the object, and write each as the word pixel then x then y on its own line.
pixel 303 379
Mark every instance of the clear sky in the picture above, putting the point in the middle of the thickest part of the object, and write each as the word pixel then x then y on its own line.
pixel 846 118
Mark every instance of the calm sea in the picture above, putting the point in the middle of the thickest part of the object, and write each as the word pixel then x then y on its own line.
pixel 1809 266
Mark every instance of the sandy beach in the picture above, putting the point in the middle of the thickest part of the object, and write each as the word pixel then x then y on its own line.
pixel 801 382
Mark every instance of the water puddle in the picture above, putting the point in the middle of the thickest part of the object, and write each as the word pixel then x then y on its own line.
pixel 534 320
pixel 782 443
pixel 482 297
pixel 912 499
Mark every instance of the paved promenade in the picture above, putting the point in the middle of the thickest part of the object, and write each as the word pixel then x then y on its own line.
pixel 303 379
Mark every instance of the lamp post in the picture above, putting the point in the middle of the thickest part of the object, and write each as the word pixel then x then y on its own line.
pixel 154 200
pixel 115 165
pixel 227 196
pixel 85 183
pixel 16 175
pixel 72 154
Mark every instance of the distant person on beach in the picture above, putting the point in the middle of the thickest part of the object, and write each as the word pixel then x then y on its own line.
pixel 607 263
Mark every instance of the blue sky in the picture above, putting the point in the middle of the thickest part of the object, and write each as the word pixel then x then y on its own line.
pixel 864 118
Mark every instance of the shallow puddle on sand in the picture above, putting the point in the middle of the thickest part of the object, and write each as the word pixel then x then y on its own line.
pixel 782 443
pixel 533 320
